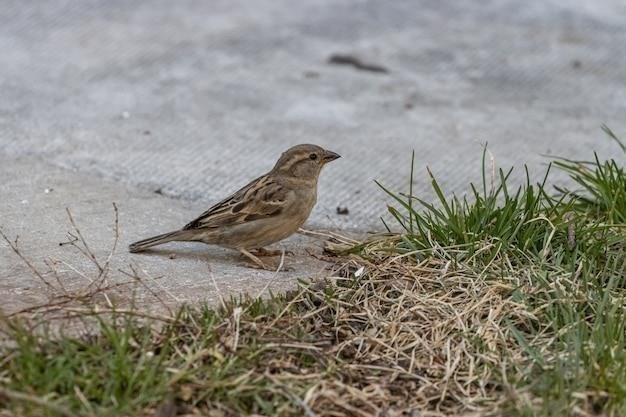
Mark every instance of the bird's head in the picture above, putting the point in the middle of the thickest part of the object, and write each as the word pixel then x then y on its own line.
pixel 304 161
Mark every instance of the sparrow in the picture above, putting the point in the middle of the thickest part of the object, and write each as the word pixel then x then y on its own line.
pixel 268 209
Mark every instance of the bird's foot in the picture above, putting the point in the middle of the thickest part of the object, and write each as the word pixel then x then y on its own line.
pixel 259 264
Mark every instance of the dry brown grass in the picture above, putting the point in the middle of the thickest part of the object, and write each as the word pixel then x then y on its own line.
pixel 401 339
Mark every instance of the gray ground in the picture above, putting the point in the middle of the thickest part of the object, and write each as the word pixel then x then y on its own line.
pixel 111 101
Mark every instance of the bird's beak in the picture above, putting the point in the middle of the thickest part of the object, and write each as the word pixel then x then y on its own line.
pixel 330 156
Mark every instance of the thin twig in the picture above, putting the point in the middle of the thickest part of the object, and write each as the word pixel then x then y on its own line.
pixel 330 235
pixel 219 293
pixel 90 254
pixel 271 280
pixel 137 278
pixel 30 266
pixel 116 230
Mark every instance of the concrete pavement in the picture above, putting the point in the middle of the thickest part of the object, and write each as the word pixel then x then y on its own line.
pixel 113 100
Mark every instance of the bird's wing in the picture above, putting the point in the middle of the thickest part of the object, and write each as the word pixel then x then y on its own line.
pixel 262 198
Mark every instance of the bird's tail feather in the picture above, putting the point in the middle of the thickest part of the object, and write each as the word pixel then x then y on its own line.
pixel 179 235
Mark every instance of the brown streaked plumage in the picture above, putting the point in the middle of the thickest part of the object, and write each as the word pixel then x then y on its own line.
pixel 267 210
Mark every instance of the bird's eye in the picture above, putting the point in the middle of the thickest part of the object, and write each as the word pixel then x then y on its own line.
pixel 313 156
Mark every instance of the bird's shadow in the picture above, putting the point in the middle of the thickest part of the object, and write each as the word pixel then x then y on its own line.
pixel 194 254
pixel 216 255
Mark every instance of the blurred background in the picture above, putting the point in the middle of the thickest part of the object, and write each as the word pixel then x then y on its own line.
pixel 192 99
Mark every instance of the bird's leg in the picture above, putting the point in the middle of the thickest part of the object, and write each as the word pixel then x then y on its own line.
pixel 269 252
pixel 257 262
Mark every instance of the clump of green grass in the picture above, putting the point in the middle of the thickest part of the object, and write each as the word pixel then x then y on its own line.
pixel 492 220
pixel 113 369
pixel 529 221
pixel 602 185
